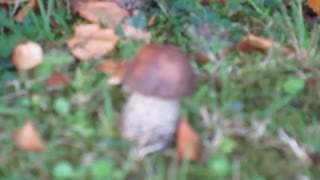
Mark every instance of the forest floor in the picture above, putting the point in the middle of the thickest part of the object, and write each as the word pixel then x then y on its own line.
pixel 255 108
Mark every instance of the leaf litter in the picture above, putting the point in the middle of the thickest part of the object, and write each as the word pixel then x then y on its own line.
pixel 28 139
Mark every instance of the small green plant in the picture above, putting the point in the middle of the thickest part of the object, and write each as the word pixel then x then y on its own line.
pixel 61 106
pixel 63 170
pixel 219 166
pixel 293 86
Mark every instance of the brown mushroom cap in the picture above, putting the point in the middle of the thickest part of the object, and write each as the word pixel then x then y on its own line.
pixel 160 70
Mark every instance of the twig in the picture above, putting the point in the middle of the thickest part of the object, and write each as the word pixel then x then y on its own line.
pixel 298 151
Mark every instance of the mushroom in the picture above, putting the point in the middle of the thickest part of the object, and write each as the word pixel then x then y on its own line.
pixel 157 78
pixel 27 55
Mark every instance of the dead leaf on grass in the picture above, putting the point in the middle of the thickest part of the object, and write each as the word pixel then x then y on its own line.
pixel 135 33
pixel 251 43
pixel 91 41
pixel 187 141
pixel 115 69
pixel 75 5
pixel 57 79
pixel 109 13
pixel 151 20
pixel 28 139
pixel 314 5
pixel 25 10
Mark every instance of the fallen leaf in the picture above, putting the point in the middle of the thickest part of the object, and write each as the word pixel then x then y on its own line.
pixel 56 80
pixel 135 33
pixel 27 55
pixel 314 5
pixel 28 139
pixel 109 13
pixel 115 69
pixel 75 5
pixel 251 43
pixel 151 20
pixel 201 58
pixel 90 41
pixel 312 80
pixel 187 141
pixel 25 10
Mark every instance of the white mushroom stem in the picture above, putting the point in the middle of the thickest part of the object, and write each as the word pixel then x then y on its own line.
pixel 150 122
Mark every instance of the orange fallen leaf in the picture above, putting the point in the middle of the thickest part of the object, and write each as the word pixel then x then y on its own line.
pixel 187 141
pixel 151 20
pixel 109 13
pixel 25 10
pixel 28 139
pixel 27 55
pixel 134 33
pixel 56 80
pixel 115 69
pixel 90 41
pixel 251 43
pixel 314 5
pixel 201 58
pixel 247 48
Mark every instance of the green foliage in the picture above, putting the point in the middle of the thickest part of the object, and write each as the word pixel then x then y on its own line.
pixel 53 61
pixel 35 26
pixel 127 48
pixel 63 170
pixel 219 165
pixel 293 85
pixel 61 106
pixel 227 146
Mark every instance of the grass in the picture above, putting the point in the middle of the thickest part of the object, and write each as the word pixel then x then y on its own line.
pixel 242 100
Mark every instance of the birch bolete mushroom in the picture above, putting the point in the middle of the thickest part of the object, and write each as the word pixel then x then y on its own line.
pixel 157 77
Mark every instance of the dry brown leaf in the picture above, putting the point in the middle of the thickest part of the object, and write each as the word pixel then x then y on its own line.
pixel 115 69
pixel 57 79
pixel 28 139
pixel 151 20
pixel 314 5
pixel 25 10
pixel 312 80
pixel 75 5
pixel 187 141
pixel 90 41
pixel 109 13
pixel 135 33
pixel 251 43
pixel 26 55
